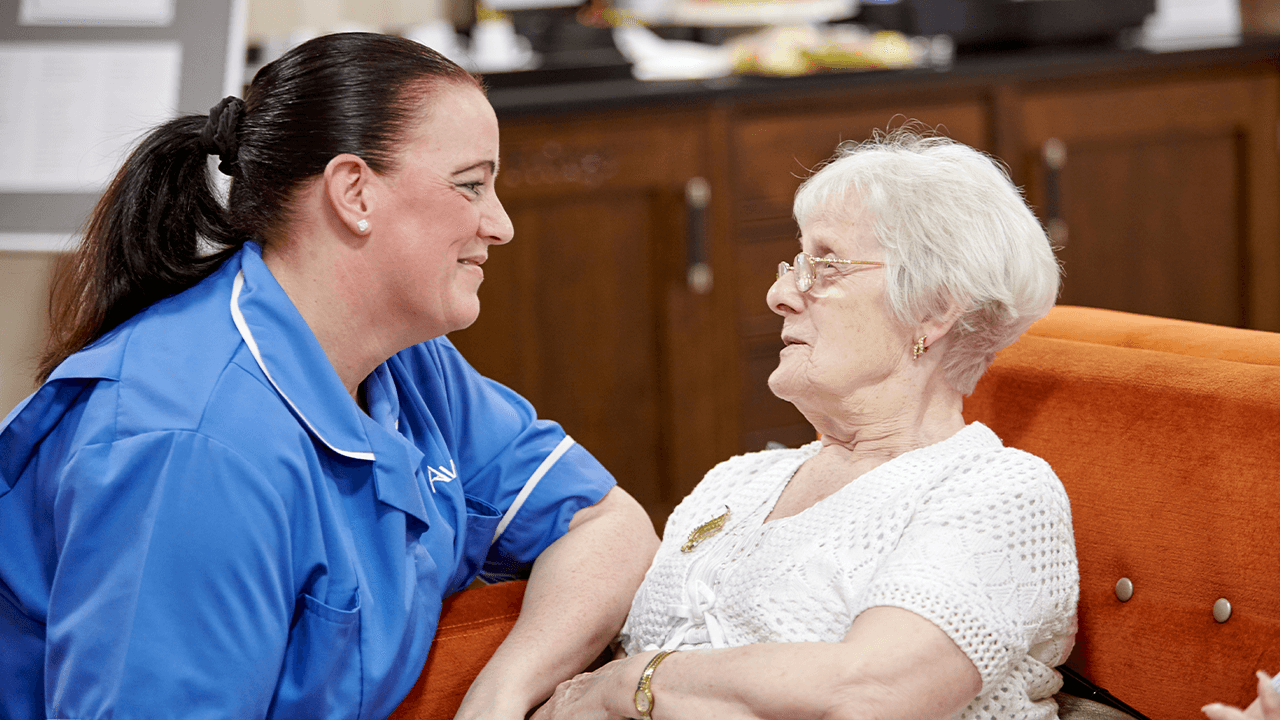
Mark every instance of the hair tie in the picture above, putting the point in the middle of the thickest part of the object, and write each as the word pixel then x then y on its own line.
pixel 219 134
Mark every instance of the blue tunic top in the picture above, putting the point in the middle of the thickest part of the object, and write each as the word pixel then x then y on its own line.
pixel 196 520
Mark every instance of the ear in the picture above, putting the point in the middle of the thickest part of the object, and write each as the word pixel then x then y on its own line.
pixel 346 186
pixel 936 328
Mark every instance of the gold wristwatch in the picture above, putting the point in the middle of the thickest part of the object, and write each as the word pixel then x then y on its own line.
pixel 644 696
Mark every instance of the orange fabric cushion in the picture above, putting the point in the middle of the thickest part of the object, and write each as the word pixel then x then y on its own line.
pixel 472 625
pixel 1120 329
pixel 1170 458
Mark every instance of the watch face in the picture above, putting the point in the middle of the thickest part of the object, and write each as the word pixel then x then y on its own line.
pixel 643 702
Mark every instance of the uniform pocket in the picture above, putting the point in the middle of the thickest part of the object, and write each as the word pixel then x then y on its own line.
pixel 482 522
pixel 322 673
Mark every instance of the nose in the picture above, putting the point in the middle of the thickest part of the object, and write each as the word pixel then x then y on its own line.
pixel 495 225
pixel 783 296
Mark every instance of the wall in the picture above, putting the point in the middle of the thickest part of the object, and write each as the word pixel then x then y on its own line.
pixel 272 18
pixel 24 288
pixel 212 39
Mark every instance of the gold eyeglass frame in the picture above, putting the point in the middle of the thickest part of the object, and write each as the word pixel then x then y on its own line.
pixel 806 267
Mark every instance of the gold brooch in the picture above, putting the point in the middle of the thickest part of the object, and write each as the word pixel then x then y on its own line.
pixel 704 531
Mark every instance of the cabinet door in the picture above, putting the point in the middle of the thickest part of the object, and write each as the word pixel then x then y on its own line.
pixel 1162 195
pixel 587 312
pixel 774 152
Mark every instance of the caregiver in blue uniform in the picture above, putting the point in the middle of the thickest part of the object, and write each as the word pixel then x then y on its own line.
pixel 256 466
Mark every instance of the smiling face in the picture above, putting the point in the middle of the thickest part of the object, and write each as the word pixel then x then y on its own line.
pixel 439 213
pixel 842 342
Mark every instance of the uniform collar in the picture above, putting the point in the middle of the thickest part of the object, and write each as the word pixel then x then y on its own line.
pixel 291 358
pixel 21 432
pixel 393 485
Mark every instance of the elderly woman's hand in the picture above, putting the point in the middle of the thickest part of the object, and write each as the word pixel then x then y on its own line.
pixel 1266 707
pixel 606 694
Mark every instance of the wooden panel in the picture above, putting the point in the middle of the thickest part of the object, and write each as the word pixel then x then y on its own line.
pixel 701 354
pixel 588 312
pixel 569 322
pixel 757 268
pixel 1157 227
pixel 776 152
pixel 568 156
pixel 769 419
pixel 1169 192
pixel 1129 109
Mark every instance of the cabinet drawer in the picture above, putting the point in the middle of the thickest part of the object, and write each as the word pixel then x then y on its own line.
pixel 776 152
pixel 564 157
pixel 1161 195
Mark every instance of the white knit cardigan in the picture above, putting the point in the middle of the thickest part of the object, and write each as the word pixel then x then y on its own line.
pixel 970 535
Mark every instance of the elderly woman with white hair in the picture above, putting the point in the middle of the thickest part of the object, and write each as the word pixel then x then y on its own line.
pixel 905 565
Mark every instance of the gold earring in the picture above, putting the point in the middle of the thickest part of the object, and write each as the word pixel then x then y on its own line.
pixel 919 349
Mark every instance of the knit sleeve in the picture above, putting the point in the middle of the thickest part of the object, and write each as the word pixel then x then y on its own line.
pixel 987 556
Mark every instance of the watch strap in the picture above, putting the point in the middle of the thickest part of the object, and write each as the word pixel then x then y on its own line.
pixel 644 694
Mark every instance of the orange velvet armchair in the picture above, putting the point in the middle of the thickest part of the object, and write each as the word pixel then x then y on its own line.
pixel 1166 435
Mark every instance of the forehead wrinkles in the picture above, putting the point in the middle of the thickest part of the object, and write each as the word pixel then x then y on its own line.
pixel 842 231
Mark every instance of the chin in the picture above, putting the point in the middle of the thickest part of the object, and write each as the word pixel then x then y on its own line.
pixel 781 386
pixel 463 314
pixel 467 320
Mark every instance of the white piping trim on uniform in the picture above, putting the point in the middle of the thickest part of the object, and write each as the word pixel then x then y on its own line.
pixel 243 327
pixel 530 484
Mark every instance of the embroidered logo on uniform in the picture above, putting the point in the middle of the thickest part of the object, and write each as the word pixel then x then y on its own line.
pixel 441 474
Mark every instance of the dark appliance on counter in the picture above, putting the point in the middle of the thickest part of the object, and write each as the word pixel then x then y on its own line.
pixel 573 44
pixel 976 24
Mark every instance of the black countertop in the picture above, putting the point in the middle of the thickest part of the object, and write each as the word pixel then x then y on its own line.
pixel 1019 67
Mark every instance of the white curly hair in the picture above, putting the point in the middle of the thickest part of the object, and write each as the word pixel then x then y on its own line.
pixel 956 232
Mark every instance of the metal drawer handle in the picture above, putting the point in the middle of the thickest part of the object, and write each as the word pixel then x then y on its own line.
pixel 697 196
pixel 1054 155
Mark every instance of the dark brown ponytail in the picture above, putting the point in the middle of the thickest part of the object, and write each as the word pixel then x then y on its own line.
pixel 142 242
pixel 160 228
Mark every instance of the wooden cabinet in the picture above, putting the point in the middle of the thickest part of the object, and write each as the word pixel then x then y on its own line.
pixel 588 314
pixel 1163 197
pixel 1164 192
pixel 1169 195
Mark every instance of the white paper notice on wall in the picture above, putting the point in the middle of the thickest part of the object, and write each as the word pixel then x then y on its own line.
pixel 1192 23
pixel 73 111
pixel 96 12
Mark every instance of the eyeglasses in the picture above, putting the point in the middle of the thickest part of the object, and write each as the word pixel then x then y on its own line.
pixel 806 267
